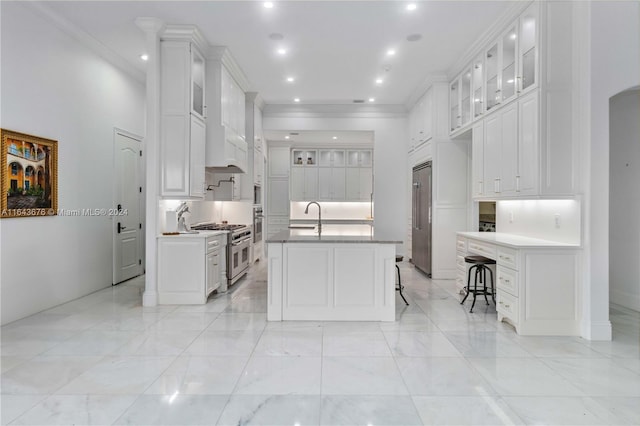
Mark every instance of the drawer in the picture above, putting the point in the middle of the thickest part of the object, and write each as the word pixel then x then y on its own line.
pixel 507 257
pixel 507 280
pixel 461 244
pixel 214 243
pixel 460 261
pixel 483 249
pixel 507 305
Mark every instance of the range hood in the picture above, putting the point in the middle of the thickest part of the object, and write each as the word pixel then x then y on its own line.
pixel 229 166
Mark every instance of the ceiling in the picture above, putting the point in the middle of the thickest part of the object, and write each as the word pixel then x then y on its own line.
pixel 335 49
pixel 320 137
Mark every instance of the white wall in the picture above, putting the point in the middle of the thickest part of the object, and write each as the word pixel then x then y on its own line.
pixel 389 156
pixel 54 87
pixel 624 200
pixel 612 66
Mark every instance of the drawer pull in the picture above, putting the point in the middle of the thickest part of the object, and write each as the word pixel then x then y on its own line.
pixel 506 306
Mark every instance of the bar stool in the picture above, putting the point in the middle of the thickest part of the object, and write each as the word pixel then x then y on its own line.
pixel 481 266
pixel 399 287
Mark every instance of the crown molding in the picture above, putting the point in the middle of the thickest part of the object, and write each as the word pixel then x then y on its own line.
pixel 335 111
pixel 85 39
pixel 186 33
pixel 223 54
pixel 420 90
pixel 499 25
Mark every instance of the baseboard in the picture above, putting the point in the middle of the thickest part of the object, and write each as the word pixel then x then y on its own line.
pixel 597 330
pixel 625 299
pixel 149 298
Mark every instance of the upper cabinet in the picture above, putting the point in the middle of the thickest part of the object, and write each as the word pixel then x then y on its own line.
pixel 525 146
pixel 182 114
pixel 421 120
pixel 360 158
pixel 226 144
pixel 507 68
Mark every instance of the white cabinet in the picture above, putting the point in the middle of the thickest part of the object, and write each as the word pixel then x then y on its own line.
pixel 360 158
pixel 477 159
pixel 331 158
pixel 528 57
pixel 536 285
pixel 331 183
pixel 182 127
pixel 190 267
pixel 359 184
pixel 304 183
pixel 460 101
pixel 477 86
pixel 509 147
pixel 279 162
pixel 226 143
pixel 500 151
pixel 278 197
pixel 304 157
pixel 420 120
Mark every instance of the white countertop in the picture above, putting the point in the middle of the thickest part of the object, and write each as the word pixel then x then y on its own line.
pixel 515 241
pixel 355 233
pixel 200 234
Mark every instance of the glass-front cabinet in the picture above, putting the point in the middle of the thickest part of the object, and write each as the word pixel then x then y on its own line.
pixel 197 83
pixel 491 77
pixel 465 97
pixel 527 48
pixel 454 105
pixel 477 83
pixel 331 157
pixel 508 46
pixel 304 157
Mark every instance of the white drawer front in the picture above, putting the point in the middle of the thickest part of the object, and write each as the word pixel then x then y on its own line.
pixel 461 244
pixel 507 280
pixel 507 305
pixel 460 261
pixel 483 249
pixel 214 243
pixel 507 257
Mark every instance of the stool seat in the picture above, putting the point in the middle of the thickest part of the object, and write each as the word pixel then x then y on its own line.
pixel 479 260
pixel 480 265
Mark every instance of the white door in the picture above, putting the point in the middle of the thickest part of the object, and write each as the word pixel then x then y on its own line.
pixel 127 240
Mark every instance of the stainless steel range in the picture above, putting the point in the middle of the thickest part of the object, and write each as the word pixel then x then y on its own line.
pixel 238 247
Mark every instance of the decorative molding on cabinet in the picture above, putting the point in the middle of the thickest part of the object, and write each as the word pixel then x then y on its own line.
pixel 223 54
pixel 422 88
pixel 189 33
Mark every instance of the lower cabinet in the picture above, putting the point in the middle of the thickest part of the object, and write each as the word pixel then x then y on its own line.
pixel 536 285
pixel 190 267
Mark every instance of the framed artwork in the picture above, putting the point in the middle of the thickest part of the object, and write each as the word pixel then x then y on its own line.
pixel 29 175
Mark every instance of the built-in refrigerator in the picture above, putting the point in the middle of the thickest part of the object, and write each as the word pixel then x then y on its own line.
pixel 421 217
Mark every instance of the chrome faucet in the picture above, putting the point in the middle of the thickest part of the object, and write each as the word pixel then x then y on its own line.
pixel 306 211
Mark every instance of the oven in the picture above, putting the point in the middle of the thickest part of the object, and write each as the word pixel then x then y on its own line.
pixel 257 224
pixel 238 248
pixel 238 254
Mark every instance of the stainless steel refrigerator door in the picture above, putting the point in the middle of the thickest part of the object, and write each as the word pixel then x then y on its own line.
pixel 421 217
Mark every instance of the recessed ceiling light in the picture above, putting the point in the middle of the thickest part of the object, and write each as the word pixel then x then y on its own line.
pixel 286 137
pixel 379 81
pixel 276 36
pixel 268 4
pixel 372 99
pixel 282 51
pixel 391 52
pixel 412 6
pixel 513 36
pixel 334 138
pixel 296 99
pixel 144 57
pixel 291 79
pixel 414 37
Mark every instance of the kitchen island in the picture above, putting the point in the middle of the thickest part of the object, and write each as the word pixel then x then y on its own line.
pixel 345 273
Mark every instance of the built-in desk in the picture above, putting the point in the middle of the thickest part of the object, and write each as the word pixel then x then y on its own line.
pixel 536 280
pixel 344 274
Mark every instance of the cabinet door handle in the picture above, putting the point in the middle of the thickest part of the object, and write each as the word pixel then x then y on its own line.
pixel 517 183
pixel 480 187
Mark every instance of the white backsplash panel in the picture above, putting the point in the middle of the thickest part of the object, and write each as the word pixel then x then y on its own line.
pixel 332 210
pixel 555 220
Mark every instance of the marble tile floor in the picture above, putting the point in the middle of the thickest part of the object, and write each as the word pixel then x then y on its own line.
pixel 104 359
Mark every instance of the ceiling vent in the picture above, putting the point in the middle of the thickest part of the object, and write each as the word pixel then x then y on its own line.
pixel 294 133
pixel 358 101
